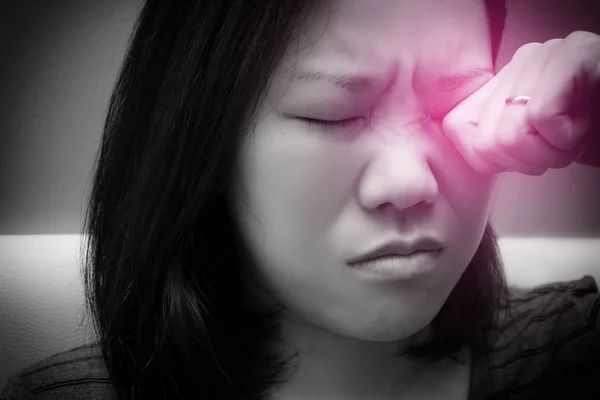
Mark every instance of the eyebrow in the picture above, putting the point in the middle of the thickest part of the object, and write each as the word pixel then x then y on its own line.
pixel 352 83
pixel 362 83
pixel 452 82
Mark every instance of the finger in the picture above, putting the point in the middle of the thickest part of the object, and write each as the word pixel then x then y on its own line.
pixel 489 145
pixel 492 109
pixel 568 157
pixel 458 135
pixel 537 57
pixel 519 147
pixel 515 144
pixel 504 156
pixel 516 136
pixel 588 152
pixel 521 142
pixel 576 154
pixel 560 101
pixel 461 126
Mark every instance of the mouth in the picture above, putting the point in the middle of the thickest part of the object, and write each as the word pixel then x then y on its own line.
pixel 400 249
pixel 393 268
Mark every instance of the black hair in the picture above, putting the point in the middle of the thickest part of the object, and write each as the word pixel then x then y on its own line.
pixel 496 17
pixel 164 269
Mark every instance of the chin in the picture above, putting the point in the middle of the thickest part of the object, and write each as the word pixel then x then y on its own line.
pixel 392 330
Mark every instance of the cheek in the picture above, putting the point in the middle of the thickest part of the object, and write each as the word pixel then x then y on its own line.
pixel 468 192
pixel 470 196
pixel 467 197
pixel 295 186
pixel 297 180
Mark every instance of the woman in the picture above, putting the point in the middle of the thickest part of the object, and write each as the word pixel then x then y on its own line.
pixel 234 219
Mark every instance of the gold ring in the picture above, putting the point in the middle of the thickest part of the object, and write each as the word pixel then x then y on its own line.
pixel 519 99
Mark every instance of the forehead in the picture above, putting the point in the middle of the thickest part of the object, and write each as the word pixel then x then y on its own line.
pixel 430 34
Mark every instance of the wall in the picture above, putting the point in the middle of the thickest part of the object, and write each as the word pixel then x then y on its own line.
pixel 60 60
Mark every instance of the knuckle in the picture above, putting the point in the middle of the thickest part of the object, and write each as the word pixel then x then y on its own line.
pixel 526 50
pixel 584 44
pixel 582 37
pixel 453 123
pixel 448 123
pixel 552 42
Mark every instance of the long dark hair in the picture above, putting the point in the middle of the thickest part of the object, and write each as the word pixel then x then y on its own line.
pixel 165 271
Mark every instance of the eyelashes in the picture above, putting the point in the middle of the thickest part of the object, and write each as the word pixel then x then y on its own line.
pixel 341 124
pixel 428 118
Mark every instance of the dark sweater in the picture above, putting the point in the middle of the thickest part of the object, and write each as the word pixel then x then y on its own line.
pixel 550 349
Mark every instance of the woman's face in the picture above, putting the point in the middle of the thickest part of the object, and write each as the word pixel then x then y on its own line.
pixel 311 198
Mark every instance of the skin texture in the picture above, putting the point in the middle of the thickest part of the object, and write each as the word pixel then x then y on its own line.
pixel 309 198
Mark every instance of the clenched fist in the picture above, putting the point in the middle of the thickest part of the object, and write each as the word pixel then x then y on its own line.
pixel 558 125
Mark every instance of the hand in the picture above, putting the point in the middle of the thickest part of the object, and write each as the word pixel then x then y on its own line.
pixel 559 125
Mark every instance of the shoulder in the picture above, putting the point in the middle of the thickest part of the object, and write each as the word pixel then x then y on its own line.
pixel 74 374
pixel 548 343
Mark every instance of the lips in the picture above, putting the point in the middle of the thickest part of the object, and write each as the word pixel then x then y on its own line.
pixel 400 248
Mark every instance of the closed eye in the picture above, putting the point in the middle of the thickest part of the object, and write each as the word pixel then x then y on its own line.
pixel 430 117
pixel 345 123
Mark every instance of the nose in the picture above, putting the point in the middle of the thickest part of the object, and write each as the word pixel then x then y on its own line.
pixel 401 178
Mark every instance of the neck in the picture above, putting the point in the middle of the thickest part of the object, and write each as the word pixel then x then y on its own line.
pixel 333 366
